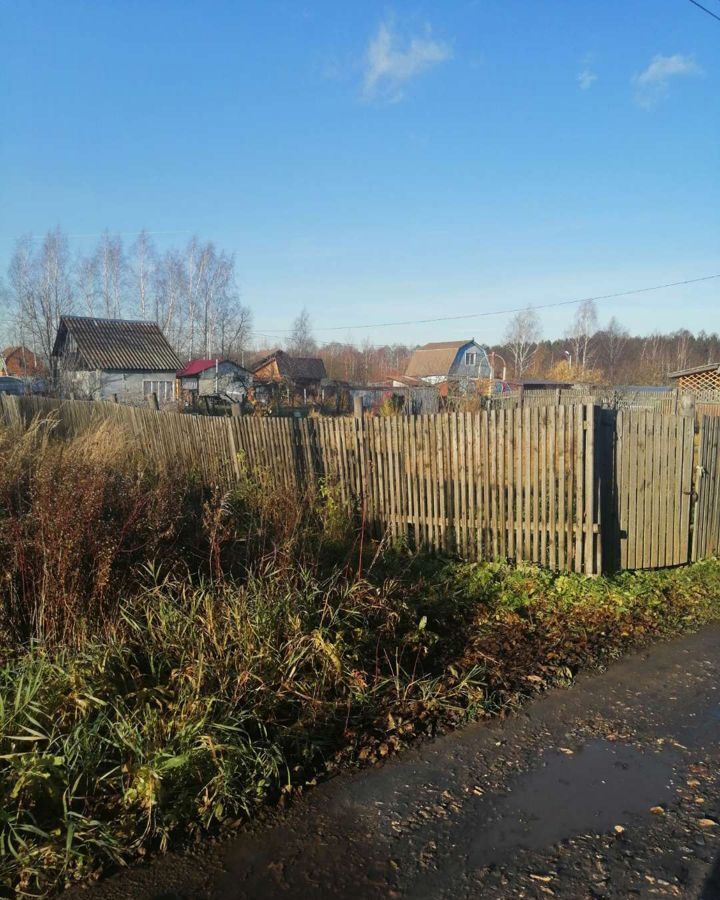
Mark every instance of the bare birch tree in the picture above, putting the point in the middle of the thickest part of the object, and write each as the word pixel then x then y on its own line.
pixel 582 332
pixel 522 335
pixel 112 271
pixel 142 267
pixel 682 342
pixel 41 290
pixel 86 278
pixel 302 342
pixel 614 339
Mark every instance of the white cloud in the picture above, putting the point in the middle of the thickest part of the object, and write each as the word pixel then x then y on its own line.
pixel 651 85
pixel 586 79
pixel 389 65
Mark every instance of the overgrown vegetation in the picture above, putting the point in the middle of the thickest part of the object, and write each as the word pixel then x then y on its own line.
pixel 173 658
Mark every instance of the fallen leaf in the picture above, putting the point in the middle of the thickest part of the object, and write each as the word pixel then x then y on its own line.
pixel 692 782
pixel 544 878
pixel 707 823
pixel 566 750
pixel 657 810
pixel 619 829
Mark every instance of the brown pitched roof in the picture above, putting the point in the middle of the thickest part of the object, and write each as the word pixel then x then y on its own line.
pixel 434 359
pixel 294 368
pixel 696 370
pixel 123 344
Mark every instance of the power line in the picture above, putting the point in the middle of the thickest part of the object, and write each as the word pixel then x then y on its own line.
pixel 40 237
pixel 705 9
pixel 507 311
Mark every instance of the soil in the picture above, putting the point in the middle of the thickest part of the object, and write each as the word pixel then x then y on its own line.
pixel 608 789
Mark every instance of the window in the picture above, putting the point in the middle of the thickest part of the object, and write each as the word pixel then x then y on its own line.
pixel 470 359
pixel 163 389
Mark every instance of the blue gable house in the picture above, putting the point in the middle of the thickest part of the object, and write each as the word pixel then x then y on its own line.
pixel 449 360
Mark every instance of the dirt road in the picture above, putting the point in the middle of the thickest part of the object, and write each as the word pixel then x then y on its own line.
pixel 609 789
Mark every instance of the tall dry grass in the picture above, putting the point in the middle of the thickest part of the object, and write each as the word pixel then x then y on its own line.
pixel 83 520
pixel 77 520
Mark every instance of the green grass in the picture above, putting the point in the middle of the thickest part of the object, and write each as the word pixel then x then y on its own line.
pixel 234 656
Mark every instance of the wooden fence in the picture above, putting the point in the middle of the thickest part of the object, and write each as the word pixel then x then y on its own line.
pixel 647 467
pixel 707 517
pixel 570 486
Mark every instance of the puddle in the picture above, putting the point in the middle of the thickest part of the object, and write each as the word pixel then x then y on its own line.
pixel 599 786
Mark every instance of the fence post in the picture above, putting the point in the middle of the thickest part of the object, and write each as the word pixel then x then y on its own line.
pixel 235 410
pixel 357 406
pixel 687 405
pixel 153 401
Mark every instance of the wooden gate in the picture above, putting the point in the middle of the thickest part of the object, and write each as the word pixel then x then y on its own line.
pixel 647 489
pixel 706 533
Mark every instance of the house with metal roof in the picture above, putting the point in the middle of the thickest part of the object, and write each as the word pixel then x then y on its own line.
pixel 124 359
pixel 449 361
pixel 214 378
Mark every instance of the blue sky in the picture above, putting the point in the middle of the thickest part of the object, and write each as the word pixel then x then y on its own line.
pixel 380 162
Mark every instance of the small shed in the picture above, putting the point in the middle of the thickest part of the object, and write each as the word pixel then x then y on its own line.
pixel 698 378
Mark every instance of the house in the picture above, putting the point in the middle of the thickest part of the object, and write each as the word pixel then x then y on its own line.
pixel 214 378
pixel 21 362
pixel 698 378
pixel 301 375
pixel 449 361
pixel 103 359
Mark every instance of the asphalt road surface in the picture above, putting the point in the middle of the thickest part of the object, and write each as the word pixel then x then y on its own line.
pixel 608 789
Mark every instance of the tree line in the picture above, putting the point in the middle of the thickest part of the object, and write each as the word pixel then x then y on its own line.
pixel 190 291
pixel 591 352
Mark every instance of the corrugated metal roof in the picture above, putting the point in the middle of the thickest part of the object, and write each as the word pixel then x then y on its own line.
pixel 196 366
pixel 434 359
pixel 119 344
